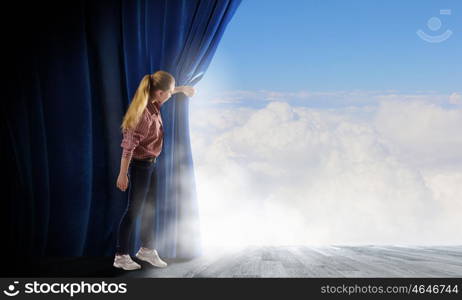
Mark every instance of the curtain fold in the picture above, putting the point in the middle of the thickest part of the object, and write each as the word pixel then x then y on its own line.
pixel 72 72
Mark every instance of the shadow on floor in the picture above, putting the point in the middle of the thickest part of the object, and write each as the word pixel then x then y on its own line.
pixel 68 267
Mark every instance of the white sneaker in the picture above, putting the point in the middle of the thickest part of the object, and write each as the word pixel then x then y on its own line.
pixel 125 262
pixel 151 257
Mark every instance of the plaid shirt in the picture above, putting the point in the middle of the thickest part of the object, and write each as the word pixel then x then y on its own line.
pixel 146 139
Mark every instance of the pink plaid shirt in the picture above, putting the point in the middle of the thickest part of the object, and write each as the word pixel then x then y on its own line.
pixel 146 139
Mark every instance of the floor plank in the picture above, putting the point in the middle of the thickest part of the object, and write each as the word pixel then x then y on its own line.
pixel 318 261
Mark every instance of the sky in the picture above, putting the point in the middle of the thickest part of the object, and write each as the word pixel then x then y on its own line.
pixel 332 122
pixel 336 45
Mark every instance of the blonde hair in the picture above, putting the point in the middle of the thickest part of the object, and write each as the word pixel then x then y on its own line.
pixel 150 83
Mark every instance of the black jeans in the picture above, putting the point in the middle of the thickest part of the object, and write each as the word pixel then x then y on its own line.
pixel 141 194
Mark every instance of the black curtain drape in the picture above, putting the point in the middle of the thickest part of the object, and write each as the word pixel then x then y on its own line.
pixel 71 69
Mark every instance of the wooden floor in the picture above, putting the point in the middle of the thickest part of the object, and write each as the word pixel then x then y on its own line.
pixel 316 261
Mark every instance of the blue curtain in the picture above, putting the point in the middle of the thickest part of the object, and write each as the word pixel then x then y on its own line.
pixel 73 68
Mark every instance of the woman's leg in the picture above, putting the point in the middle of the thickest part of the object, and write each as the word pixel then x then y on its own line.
pixel 147 218
pixel 140 175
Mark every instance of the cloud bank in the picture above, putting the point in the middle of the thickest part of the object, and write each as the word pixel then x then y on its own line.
pixel 284 174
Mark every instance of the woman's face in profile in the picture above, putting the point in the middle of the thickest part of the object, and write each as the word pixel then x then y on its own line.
pixel 165 95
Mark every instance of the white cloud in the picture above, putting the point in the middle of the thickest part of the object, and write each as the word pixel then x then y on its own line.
pixel 296 175
pixel 325 98
pixel 455 98
pixel 424 135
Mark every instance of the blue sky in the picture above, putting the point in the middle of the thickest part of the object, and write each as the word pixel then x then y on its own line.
pixel 334 45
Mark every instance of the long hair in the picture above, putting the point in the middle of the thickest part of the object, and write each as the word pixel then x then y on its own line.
pixel 150 83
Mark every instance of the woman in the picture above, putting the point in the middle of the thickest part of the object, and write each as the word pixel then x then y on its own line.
pixel 142 143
